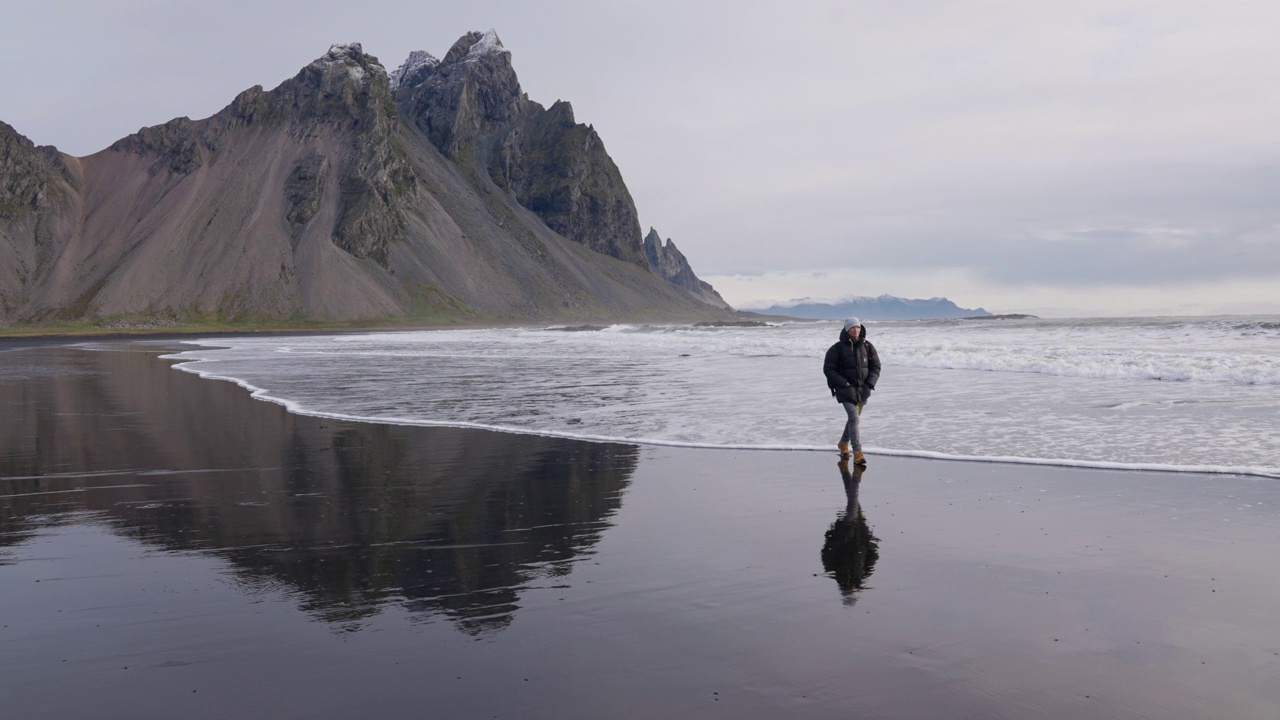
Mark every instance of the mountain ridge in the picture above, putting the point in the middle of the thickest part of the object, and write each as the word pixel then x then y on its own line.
pixel 882 307
pixel 337 197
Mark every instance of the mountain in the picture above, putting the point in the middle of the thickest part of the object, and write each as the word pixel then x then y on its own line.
pixel 667 261
pixel 347 193
pixel 885 307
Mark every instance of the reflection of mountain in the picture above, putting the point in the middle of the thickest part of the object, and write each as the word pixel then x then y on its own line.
pixel 851 550
pixel 349 515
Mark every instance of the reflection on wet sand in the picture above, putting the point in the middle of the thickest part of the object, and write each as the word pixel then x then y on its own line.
pixel 348 516
pixel 851 550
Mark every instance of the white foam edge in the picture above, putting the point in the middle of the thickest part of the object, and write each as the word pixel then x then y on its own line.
pixel 263 394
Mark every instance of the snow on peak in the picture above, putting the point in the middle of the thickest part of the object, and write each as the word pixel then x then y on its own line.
pixel 351 57
pixel 488 44
pixel 338 51
pixel 418 59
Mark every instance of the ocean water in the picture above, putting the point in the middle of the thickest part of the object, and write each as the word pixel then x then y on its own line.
pixel 1198 394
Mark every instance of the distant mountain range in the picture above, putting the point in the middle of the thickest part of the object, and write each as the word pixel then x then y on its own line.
pixel 885 307
pixel 347 193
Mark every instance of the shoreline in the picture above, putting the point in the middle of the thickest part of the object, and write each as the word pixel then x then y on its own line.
pixel 18 341
pixel 19 333
pixel 23 340
pixel 13 343
pixel 263 394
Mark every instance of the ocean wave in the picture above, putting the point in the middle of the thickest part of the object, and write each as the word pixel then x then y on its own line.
pixel 190 365
pixel 1168 350
pixel 1231 368
pixel 1009 392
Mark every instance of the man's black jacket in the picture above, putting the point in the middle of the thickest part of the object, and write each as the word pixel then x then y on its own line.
pixel 852 368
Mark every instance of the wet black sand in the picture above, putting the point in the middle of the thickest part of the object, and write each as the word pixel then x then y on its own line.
pixel 171 548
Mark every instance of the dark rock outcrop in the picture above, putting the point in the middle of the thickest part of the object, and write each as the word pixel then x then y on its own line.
pixel 559 169
pixel 471 107
pixel 25 173
pixel 347 83
pixel 669 263
pixel 39 205
pixel 173 145
pixel 414 70
pixel 303 191
pixel 472 94
pixel 344 91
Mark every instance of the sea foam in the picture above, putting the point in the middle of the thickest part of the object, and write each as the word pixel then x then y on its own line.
pixel 1190 395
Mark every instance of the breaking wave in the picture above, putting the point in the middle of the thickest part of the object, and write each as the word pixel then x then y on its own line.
pixel 1106 394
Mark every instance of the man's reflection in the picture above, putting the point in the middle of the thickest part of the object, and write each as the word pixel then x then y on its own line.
pixel 850 552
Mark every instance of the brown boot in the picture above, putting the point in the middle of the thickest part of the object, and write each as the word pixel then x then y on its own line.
pixel 859 458
pixel 843 448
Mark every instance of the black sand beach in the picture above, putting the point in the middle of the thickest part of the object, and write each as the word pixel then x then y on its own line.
pixel 170 547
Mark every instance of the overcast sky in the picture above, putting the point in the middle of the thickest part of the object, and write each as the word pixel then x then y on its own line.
pixel 1059 158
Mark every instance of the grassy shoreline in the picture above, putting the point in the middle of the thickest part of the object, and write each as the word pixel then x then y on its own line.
pixel 15 337
pixel 23 335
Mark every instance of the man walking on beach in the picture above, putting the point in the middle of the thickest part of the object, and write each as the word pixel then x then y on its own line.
pixel 852 367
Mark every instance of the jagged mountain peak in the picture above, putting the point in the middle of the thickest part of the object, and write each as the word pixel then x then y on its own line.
pixel 25 172
pixel 473 93
pixel 667 262
pixel 474 58
pixel 351 58
pixel 174 144
pixel 562 111
pixel 488 44
pixel 414 70
pixel 471 107
pixel 343 51
pixel 13 143
pixel 653 239
pixel 476 46
pixel 345 89
pixel 470 50
pixel 345 85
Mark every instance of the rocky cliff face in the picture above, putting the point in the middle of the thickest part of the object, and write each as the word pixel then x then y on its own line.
pixel 668 262
pixel 373 178
pixel 344 92
pixel 472 108
pixel 173 146
pixel 26 172
pixel 38 193
pixel 559 169
pixel 438 190
pixel 470 95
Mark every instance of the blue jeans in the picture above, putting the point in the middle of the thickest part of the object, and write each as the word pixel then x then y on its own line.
pixel 851 433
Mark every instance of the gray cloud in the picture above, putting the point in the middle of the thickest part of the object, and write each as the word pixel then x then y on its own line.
pixel 1182 224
